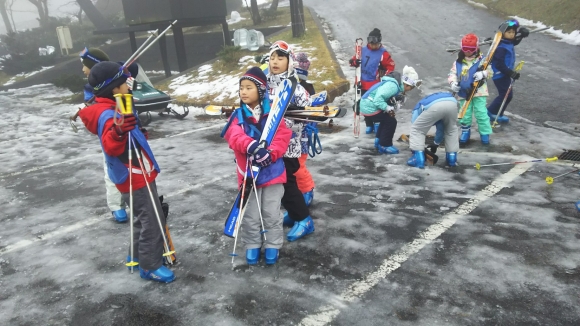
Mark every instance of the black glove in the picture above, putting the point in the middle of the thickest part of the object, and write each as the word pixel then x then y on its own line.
pixel 524 32
pixel 433 148
pixel 354 62
pixel 262 157
pixel 129 123
pixel 392 101
pixel 515 75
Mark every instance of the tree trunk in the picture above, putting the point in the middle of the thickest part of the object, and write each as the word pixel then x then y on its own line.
pixel 255 12
pixel 12 14
pixel 5 18
pixel 274 5
pixel 79 15
pixel 93 14
pixel 42 8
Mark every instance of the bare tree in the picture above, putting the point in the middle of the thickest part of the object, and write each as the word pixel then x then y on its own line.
pixel 5 17
pixel 274 5
pixel 254 11
pixel 76 11
pixel 42 8
pixel 93 14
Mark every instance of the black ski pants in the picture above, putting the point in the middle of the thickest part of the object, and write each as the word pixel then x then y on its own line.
pixel 502 84
pixel 293 199
pixel 387 128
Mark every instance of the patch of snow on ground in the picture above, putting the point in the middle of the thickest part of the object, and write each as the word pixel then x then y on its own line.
pixel 25 75
pixel 197 87
pixel 477 4
pixel 160 72
pixel 571 38
pixel 244 60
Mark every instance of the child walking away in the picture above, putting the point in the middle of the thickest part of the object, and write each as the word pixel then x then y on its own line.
pixel 243 133
pixel 503 63
pixel 107 79
pixel 375 63
pixel 439 109
pixel 464 72
pixel 298 215
pixel 378 104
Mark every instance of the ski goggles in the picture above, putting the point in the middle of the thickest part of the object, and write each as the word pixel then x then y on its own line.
pixel 469 50
pixel 123 72
pixel 411 82
pixel 373 39
pixel 512 22
pixel 281 46
pixel 85 54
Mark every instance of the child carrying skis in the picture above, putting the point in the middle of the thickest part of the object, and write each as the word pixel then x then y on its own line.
pixel 107 79
pixel 439 109
pixel 243 133
pixel 503 63
pixel 375 63
pixel 379 103
pixel 464 72
pixel 281 67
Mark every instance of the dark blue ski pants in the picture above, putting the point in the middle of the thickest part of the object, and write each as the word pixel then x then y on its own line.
pixel 502 84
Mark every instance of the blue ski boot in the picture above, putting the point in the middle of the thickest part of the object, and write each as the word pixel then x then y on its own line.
pixel 388 150
pixel 120 215
pixel 492 116
pixel 451 158
pixel 377 126
pixel 503 119
pixel 370 130
pixel 136 260
pixel 287 220
pixel 162 274
pixel 309 197
pixel 377 143
pixel 252 256
pixel 417 160
pixel 465 134
pixel 300 229
pixel 484 139
pixel 578 205
pixel 271 255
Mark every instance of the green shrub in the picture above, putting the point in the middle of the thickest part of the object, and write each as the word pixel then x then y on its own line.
pixel 74 83
pixel 230 56
pixel 27 62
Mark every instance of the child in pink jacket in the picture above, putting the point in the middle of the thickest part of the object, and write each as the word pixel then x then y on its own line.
pixel 243 134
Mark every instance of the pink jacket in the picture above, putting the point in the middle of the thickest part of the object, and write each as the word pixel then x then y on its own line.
pixel 239 142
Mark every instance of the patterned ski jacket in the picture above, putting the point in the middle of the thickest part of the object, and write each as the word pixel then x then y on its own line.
pixel 301 98
pixel 465 66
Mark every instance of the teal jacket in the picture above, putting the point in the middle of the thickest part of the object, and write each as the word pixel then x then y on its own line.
pixel 376 100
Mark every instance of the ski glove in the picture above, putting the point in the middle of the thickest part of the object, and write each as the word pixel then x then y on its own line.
pixel 515 75
pixel 455 87
pixel 395 100
pixel 354 62
pixel 253 147
pixel 524 32
pixel 129 123
pixel 480 75
pixel 262 158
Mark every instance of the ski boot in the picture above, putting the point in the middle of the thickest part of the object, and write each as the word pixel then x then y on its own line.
pixel 252 256
pixel 465 134
pixel 377 126
pixel 451 158
pixel 503 119
pixel 492 116
pixel 162 274
pixel 578 205
pixel 417 160
pixel 388 150
pixel 370 130
pixel 300 229
pixel 136 260
pixel 484 139
pixel 271 255
pixel 377 143
pixel 309 197
pixel 287 220
pixel 120 215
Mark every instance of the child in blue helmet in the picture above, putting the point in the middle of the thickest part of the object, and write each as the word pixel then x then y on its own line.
pixel 503 64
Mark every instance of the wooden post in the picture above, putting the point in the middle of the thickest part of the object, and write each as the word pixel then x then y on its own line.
pixel 180 47
pixel 133 42
pixel 226 32
pixel 164 59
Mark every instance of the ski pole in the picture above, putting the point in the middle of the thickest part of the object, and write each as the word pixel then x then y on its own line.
pixel 488 41
pixel 241 214
pixel 549 159
pixel 257 170
pixel 550 180
pixel 131 263
pixel 518 68
pixel 357 84
pixel 152 34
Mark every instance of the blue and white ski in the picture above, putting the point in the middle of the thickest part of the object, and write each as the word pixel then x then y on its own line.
pixel 318 99
pixel 284 94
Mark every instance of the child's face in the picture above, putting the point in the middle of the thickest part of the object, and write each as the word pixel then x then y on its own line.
pixel 407 88
pixel 86 70
pixel 509 34
pixel 249 93
pixel 278 64
pixel 374 46
pixel 122 89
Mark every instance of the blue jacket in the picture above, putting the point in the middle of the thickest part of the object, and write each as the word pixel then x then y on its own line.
pixel 425 103
pixel 375 99
pixel 504 59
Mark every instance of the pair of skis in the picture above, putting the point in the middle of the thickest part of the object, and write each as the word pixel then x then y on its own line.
pixel 284 94
pixel 309 113
pixel 358 43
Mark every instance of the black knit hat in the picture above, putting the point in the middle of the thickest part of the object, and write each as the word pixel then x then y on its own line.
pixel 375 34
pixel 102 72
pixel 257 76
pixel 90 57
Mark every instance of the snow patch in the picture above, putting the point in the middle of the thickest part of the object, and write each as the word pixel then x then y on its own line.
pixel 477 4
pixel 196 87
pixel 25 75
pixel 570 38
pixel 568 80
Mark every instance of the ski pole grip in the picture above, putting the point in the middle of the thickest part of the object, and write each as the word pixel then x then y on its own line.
pixel 128 108
pixel 552 159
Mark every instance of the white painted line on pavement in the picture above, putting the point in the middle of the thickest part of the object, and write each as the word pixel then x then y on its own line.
pixel 73 227
pixel 326 314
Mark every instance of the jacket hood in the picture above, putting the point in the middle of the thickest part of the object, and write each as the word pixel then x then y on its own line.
pixel 90 115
